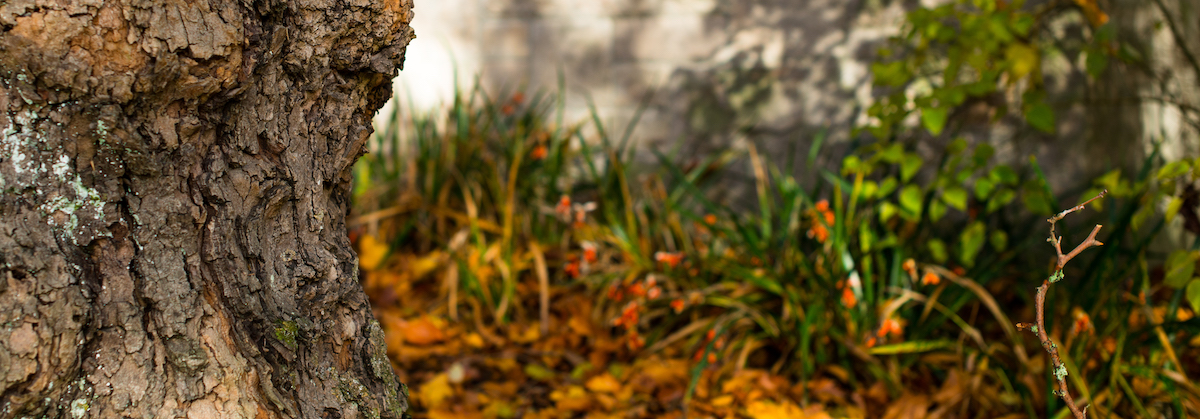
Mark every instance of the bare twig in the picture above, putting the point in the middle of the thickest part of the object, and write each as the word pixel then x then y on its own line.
pixel 1060 369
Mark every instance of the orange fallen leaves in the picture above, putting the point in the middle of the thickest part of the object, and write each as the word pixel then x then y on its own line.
pixel 434 392
pixel 603 383
pixel 371 252
pixel 421 331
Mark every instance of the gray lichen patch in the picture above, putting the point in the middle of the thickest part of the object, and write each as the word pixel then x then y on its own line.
pixel 381 366
pixel 35 163
pixel 351 391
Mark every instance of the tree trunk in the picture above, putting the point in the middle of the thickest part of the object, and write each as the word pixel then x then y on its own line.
pixel 174 181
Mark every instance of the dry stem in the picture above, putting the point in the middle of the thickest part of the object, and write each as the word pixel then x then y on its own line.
pixel 1060 369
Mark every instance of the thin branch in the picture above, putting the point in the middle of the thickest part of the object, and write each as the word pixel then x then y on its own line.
pixel 1060 369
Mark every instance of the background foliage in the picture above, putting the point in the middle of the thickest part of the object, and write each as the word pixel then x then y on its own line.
pixel 523 266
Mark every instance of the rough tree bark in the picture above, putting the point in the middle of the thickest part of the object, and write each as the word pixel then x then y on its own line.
pixel 173 189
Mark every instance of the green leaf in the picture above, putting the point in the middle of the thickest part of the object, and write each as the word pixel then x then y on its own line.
pixel 1174 169
pixel 1022 23
pixel 870 188
pixel 1040 116
pixel 937 250
pixel 865 239
pixel 892 154
pixel 983 188
pixel 1193 294
pixel 909 167
pixel 956 146
pixel 888 185
pixel 1035 199
pixel 538 372
pixel 983 153
pixel 1022 58
pixel 851 164
pixel 892 74
pixel 956 197
pixel 971 242
pixel 1000 199
pixel 1180 266
pixel 934 119
pixel 912 346
pixel 999 239
pixel 910 200
pixel 887 210
pixel 1003 174
pixel 936 210
pixel 1173 208
pixel 1141 216
pixel 1096 62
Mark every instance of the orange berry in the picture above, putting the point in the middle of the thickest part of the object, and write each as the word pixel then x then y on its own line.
pixel 712 333
pixel 710 219
pixel 671 259
pixel 563 209
pixel 890 326
pixel 712 358
pixel 910 266
pixel 654 293
pixel 538 152
pixel 823 205
pixel 848 298
pixel 677 305
pixel 572 269
pixel 589 252
pixel 637 290
pixel 615 293
pixel 930 278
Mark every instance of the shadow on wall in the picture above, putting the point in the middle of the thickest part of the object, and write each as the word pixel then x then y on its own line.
pixel 772 72
pixel 723 72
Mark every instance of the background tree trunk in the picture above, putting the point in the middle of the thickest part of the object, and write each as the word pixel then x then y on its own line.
pixel 174 178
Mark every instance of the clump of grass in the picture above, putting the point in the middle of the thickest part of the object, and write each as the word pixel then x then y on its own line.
pixel 864 276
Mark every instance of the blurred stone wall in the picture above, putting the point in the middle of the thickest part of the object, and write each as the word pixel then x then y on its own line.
pixel 778 72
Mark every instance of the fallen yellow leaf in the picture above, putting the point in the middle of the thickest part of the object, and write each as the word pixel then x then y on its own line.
pixel 474 340
pixel 421 331
pixel 371 252
pixel 760 409
pixel 435 391
pixel 423 265
pixel 574 398
pixel 447 414
pixel 603 383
